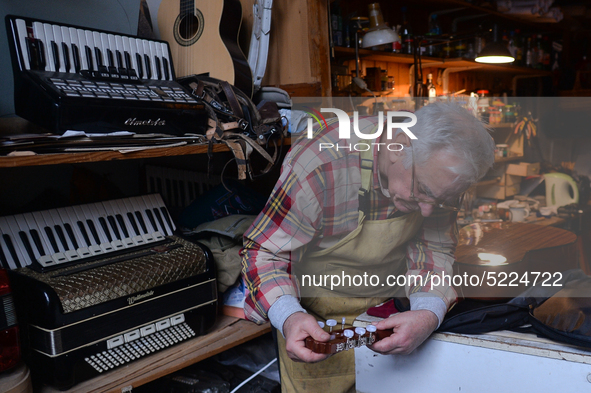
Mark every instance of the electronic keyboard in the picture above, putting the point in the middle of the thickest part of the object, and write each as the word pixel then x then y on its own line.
pixel 73 78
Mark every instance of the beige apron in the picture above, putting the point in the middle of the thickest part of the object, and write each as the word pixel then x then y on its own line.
pixel 374 247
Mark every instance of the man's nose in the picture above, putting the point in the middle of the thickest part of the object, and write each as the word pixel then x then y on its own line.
pixel 426 209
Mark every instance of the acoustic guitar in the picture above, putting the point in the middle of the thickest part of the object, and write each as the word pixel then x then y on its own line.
pixel 203 38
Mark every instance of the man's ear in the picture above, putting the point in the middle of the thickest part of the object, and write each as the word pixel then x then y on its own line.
pixel 403 140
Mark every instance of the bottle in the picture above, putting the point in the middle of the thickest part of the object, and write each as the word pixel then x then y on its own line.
pixel 406 36
pixel 518 44
pixel 336 24
pixel 529 53
pixel 431 90
pixel 460 48
pixel 447 51
pixel 397 45
pixel 547 53
pixel 534 52
pixel 470 52
pixel 434 32
pixel 540 52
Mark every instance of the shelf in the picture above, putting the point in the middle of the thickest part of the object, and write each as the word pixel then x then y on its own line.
pixel 448 63
pixel 502 125
pixel 349 54
pixel 226 333
pixel 507 159
pixel 77 158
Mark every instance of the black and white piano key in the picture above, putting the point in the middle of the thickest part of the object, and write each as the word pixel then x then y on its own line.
pixel 137 221
pixel 157 72
pixel 157 56
pixel 58 41
pixel 118 227
pixel 79 45
pixel 161 213
pixel 54 226
pixel 44 249
pixel 48 238
pixel 15 251
pixel 21 34
pixel 166 63
pixel 93 243
pixel 90 50
pixel 128 57
pixel 144 213
pixel 127 227
pixel 67 50
pixel 32 245
pixel 39 34
pixel 136 56
pixel 49 42
pixel 101 219
pixel 148 61
pixel 70 223
pixel 91 218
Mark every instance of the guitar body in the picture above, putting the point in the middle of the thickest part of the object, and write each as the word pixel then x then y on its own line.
pixel 203 38
pixel 531 252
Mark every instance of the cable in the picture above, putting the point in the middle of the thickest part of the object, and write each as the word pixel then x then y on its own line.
pixel 253 375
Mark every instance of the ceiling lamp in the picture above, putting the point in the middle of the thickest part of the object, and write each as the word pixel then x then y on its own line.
pixel 495 53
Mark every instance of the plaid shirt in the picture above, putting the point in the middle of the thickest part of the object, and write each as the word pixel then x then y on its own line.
pixel 314 205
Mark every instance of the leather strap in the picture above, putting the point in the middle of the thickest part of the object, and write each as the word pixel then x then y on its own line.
pixel 232 100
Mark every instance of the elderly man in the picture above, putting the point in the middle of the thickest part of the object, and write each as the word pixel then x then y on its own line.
pixel 387 210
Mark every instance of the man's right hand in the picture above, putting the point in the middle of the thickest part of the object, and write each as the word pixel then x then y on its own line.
pixel 296 328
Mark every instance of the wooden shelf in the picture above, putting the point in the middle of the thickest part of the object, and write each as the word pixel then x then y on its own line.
pixel 77 158
pixel 349 54
pixel 508 159
pixel 226 333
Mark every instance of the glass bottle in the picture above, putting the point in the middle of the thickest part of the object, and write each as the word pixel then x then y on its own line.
pixel 406 36
pixel 529 53
pixel 431 90
pixel 434 32
pixel 540 52
pixel 518 45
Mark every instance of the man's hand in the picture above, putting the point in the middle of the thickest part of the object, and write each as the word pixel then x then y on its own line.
pixel 296 328
pixel 411 328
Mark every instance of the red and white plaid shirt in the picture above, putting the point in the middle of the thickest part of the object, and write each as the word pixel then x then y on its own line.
pixel 315 204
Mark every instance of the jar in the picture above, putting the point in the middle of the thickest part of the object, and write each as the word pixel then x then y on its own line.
pixel 510 114
pixel 494 115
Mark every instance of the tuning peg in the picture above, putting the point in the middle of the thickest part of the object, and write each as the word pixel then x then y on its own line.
pixel 350 343
pixel 343 323
pixel 371 329
pixel 321 324
pixel 331 323
pixel 360 331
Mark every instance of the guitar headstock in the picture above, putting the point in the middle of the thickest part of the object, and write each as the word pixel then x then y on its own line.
pixel 345 339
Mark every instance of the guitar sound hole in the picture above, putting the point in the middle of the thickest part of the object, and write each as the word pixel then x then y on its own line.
pixel 188 27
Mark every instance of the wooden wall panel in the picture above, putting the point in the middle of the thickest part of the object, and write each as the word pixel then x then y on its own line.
pixel 298 47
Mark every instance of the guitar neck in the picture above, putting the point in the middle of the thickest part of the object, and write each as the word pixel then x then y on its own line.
pixel 187 7
pixel 339 341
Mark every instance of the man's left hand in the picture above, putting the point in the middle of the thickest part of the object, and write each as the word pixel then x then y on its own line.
pixel 411 328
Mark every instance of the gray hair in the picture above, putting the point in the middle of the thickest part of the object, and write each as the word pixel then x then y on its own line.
pixel 446 127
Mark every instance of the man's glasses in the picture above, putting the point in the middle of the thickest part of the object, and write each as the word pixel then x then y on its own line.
pixel 441 205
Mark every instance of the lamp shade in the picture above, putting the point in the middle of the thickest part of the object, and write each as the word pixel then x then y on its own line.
pixel 379 36
pixel 496 52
